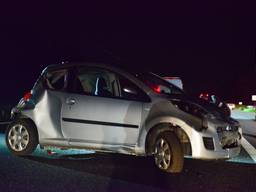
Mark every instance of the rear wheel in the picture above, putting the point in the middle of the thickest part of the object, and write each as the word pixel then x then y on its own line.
pixel 168 153
pixel 21 137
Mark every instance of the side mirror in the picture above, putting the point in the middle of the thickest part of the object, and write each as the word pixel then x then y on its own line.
pixel 130 90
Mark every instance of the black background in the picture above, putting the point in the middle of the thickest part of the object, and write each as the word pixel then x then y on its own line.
pixel 209 44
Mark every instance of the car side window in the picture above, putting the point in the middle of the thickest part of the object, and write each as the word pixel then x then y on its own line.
pixel 94 81
pixel 130 91
pixel 56 80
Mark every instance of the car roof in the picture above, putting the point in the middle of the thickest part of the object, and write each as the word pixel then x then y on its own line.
pixel 73 64
pixel 114 68
pixel 125 69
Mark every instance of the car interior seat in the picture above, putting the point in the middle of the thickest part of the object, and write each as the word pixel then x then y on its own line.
pixel 102 88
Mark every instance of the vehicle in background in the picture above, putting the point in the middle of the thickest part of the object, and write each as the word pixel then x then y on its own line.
pixel 231 106
pixel 103 108
pixel 175 80
pixel 204 96
pixel 216 101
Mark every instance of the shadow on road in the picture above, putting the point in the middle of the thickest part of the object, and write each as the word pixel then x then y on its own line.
pixel 3 127
pixel 197 174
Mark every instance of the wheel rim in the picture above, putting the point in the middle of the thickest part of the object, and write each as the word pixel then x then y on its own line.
pixel 18 137
pixel 162 154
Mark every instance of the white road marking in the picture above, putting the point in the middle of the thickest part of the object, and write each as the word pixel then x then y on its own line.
pixel 249 148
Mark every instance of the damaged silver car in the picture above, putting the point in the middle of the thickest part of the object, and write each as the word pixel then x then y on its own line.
pixel 102 108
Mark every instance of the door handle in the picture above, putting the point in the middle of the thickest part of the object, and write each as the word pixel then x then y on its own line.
pixel 71 101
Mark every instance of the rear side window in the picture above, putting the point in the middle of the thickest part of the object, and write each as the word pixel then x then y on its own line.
pixel 56 80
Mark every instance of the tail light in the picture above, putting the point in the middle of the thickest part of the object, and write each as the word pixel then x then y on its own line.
pixel 27 96
pixel 204 96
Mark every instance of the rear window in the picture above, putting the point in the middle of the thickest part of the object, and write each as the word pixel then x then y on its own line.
pixel 56 80
pixel 159 85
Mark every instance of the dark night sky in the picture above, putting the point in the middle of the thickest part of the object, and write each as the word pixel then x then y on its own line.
pixel 210 45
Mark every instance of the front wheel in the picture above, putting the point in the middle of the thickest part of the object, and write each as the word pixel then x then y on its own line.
pixel 21 137
pixel 168 153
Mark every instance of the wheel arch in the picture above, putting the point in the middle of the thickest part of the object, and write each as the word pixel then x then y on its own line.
pixel 26 118
pixel 159 128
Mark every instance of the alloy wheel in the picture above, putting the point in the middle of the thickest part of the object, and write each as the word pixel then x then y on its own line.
pixel 162 154
pixel 18 137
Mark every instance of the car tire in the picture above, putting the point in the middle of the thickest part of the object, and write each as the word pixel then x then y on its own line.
pixel 21 137
pixel 168 153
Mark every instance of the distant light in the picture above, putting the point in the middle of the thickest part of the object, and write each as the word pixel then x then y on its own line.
pixel 204 96
pixel 240 103
pixel 231 106
pixel 63 62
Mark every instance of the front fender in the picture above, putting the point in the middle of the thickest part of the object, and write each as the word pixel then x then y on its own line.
pixel 174 121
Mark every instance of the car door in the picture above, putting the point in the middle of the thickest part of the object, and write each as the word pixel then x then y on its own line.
pixel 94 113
pixel 49 96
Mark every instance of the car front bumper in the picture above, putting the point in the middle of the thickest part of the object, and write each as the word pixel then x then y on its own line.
pixel 212 145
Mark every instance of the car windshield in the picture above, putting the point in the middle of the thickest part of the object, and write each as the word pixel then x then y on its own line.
pixel 159 85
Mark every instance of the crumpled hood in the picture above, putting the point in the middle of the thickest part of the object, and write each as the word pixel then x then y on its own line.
pixel 211 108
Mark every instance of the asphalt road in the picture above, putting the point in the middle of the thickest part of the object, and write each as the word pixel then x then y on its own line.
pixel 85 171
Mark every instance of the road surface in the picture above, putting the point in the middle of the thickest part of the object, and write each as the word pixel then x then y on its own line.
pixel 87 171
